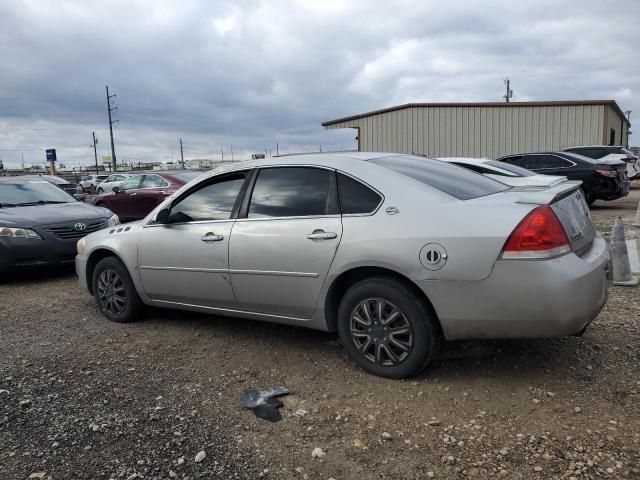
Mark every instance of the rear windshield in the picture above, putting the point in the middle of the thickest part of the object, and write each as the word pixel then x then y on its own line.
pixel 519 171
pixel 456 181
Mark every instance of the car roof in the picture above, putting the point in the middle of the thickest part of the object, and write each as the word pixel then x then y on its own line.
pixel 597 146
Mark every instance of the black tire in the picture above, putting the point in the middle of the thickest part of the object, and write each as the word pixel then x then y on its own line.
pixel 115 294
pixel 588 197
pixel 100 191
pixel 423 337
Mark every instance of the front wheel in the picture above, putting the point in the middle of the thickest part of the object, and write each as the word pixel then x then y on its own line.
pixel 386 328
pixel 100 191
pixel 114 291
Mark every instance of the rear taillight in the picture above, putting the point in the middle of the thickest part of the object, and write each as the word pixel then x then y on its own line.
pixel 539 235
pixel 607 173
pixel 629 159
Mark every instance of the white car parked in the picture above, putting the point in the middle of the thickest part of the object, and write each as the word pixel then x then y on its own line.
pixel 112 181
pixel 89 183
pixel 503 172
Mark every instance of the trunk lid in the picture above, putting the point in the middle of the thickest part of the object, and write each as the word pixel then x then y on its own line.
pixel 568 203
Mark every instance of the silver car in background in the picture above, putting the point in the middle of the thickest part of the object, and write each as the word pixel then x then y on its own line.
pixel 394 252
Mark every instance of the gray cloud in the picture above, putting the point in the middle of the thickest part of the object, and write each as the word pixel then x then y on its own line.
pixel 252 74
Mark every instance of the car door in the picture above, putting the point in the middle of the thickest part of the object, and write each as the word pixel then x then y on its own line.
pixel 187 260
pixel 285 239
pixel 123 202
pixel 152 192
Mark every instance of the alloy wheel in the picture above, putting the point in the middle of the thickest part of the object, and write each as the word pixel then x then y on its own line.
pixel 112 293
pixel 381 332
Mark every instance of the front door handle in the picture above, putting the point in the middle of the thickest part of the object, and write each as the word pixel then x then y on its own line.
pixel 321 235
pixel 211 237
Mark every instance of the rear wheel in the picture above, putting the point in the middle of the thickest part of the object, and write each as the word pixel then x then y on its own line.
pixel 100 191
pixel 386 328
pixel 588 197
pixel 114 291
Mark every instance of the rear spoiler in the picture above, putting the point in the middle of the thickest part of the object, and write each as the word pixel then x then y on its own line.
pixel 548 195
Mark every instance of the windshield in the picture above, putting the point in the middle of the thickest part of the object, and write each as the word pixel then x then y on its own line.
pixel 186 177
pixel 458 182
pixel 519 171
pixel 31 192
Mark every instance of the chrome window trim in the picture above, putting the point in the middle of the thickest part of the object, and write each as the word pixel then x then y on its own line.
pixel 151 223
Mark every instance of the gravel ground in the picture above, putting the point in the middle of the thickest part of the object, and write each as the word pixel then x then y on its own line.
pixel 83 398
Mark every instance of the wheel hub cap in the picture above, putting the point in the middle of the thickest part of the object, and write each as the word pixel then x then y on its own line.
pixel 381 332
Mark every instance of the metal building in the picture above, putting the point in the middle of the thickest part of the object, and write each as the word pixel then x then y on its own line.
pixel 490 129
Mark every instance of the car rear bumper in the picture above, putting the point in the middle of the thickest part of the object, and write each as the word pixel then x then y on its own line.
pixel 610 189
pixel 525 299
pixel 18 253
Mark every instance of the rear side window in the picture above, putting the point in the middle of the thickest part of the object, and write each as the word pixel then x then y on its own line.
pixel 457 182
pixel 154 181
pixel 293 192
pixel 355 197
pixel 131 183
pixel 538 162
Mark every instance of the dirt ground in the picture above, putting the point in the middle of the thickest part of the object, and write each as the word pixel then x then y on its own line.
pixel 83 398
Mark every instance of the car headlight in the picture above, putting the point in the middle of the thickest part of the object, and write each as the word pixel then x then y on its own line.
pixel 114 220
pixel 19 233
pixel 80 246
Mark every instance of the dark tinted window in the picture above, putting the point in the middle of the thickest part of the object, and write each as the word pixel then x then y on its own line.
pixel 457 182
pixel 292 192
pixel 131 183
pixel 517 160
pixel 356 197
pixel 154 181
pixel 211 202
pixel 537 162
pixel 517 171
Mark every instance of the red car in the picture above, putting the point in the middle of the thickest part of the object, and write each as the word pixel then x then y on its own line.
pixel 138 195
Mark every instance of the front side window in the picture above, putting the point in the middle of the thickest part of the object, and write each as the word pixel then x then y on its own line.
pixel 131 183
pixel 154 181
pixel 214 201
pixel 293 192
pixel 355 197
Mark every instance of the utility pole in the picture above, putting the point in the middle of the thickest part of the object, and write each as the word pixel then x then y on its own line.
pixel 509 93
pixel 232 153
pixel 222 154
pixel 95 150
pixel 181 154
pixel 628 115
pixel 111 122
pixel 277 150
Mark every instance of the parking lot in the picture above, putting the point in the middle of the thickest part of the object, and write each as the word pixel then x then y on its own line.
pixel 81 397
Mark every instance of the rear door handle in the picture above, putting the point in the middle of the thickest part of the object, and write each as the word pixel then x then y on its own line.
pixel 211 237
pixel 321 235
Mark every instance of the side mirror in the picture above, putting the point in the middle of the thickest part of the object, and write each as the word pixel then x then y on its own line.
pixel 79 196
pixel 115 189
pixel 163 216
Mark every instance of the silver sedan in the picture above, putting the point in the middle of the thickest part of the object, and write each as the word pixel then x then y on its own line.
pixel 394 252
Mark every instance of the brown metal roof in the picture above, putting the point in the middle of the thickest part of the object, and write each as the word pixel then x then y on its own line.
pixel 553 103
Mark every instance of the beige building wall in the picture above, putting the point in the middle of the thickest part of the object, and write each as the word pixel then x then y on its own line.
pixel 483 131
pixel 619 127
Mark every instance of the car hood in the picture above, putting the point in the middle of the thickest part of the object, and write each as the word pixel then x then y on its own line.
pixel 47 214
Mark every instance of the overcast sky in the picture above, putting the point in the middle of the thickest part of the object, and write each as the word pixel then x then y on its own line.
pixel 250 74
